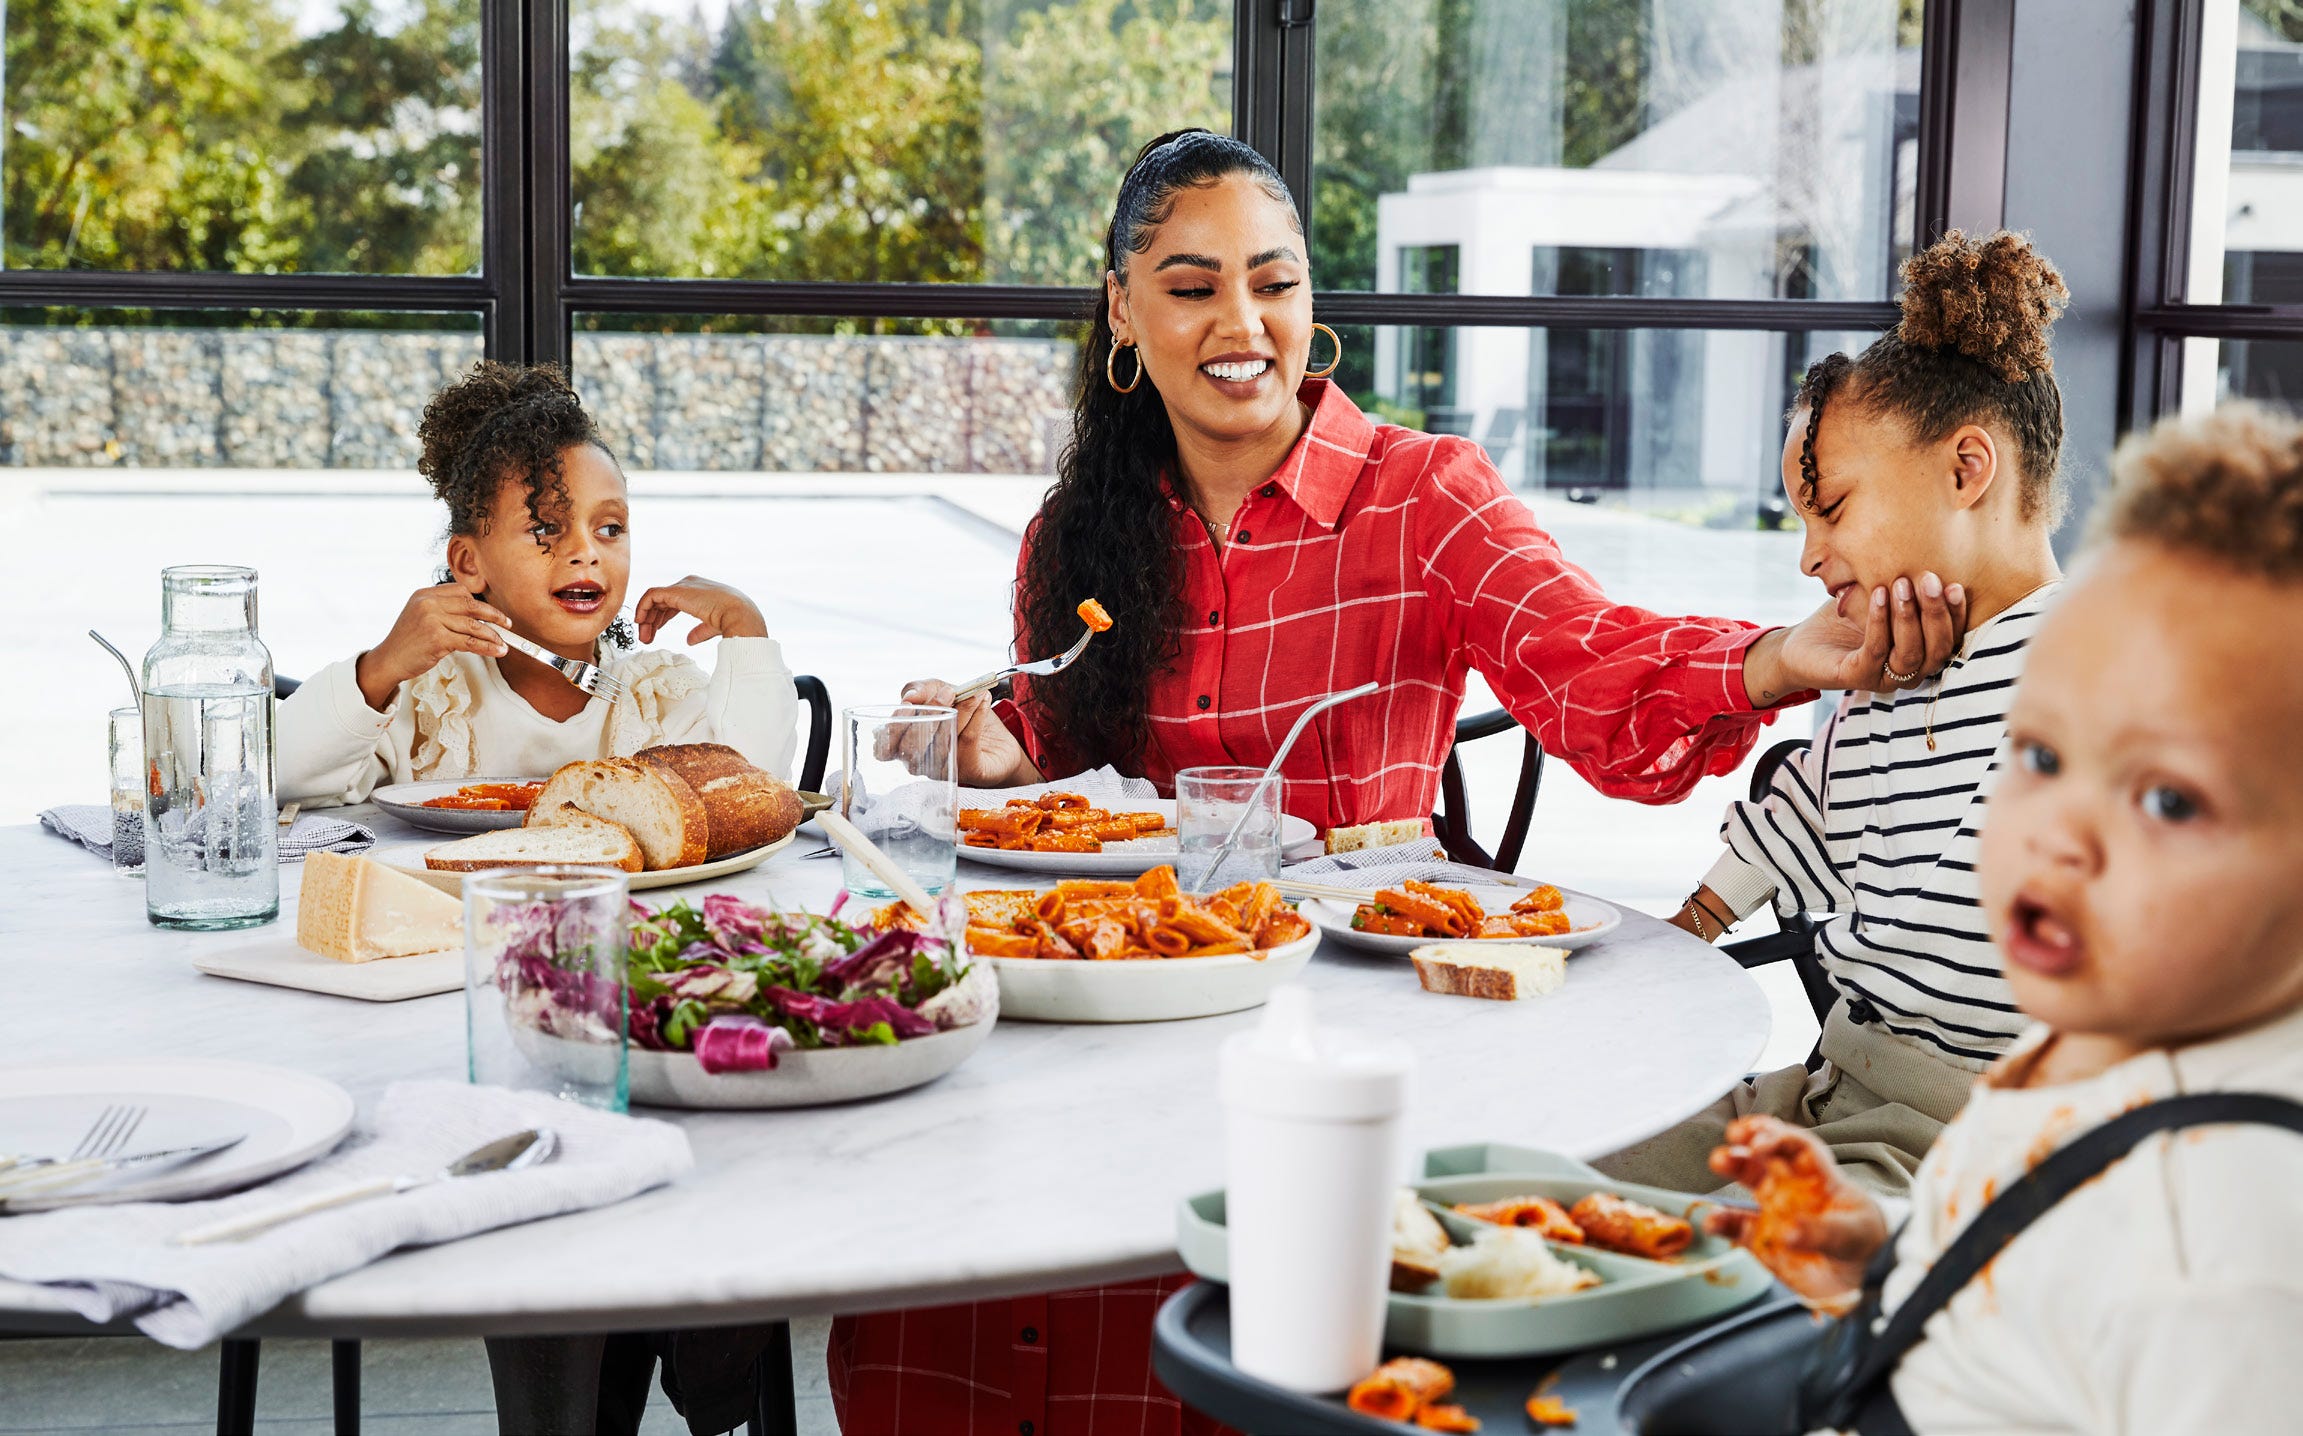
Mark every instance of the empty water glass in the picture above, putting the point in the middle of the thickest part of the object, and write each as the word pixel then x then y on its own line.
pixel 1208 802
pixel 125 744
pixel 899 783
pixel 545 1008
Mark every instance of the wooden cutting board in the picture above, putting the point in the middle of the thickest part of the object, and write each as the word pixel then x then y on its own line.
pixel 281 963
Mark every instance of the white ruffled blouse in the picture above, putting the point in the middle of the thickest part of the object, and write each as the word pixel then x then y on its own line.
pixel 461 720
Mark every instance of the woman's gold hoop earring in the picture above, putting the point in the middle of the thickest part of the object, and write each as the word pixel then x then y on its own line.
pixel 1337 340
pixel 1113 379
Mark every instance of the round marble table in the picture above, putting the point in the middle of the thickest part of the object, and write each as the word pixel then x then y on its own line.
pixel 1053 1158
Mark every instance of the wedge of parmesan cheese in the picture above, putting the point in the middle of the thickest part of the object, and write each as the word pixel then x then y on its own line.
pixel 354 910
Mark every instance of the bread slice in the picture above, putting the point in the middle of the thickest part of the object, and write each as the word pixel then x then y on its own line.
pixel 579 839
pixel 745 806
pixel 1505 971
pixel 355 910
pixel 650 801
pixel 1374 835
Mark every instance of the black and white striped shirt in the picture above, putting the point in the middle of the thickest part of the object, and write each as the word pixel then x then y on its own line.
pixel 1872 832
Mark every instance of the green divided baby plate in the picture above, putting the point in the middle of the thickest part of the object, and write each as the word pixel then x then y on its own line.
pixel 1636 1297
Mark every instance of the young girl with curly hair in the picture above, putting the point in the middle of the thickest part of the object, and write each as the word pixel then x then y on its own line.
pixel 539 544
pixel 1933 451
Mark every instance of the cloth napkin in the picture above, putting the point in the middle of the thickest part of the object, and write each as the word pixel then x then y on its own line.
pixel 110 1262
pixel 1422 859
pixel 90 825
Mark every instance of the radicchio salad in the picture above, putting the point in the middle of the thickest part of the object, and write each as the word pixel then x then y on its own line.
pixel 737 985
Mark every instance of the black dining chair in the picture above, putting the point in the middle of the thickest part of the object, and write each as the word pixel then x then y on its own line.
pixel 1794 941
pixel 1452 823
pixel 819 700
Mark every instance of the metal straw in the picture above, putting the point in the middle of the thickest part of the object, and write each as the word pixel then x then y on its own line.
pixel 1255 794
pixel 135 685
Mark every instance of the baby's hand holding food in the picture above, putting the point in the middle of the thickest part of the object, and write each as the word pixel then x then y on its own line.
pixel 1814 1229
pixel 719 611
pixel 436 622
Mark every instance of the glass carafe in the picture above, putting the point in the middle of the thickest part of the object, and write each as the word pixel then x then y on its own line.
pixel 211 834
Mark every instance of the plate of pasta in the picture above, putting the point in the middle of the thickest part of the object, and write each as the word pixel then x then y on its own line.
pixel 1069 833
pixel 1134 951
pixel 1399 918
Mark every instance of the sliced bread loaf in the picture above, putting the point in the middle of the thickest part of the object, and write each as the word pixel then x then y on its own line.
pixel 652 802
pixel 1505 971
pixel 745 807
pixel 579 839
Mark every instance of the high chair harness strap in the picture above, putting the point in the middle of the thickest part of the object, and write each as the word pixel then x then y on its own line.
pixel 1865 1403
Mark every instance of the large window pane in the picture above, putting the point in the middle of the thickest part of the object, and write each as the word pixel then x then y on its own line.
pixel 222 388
pixel 830 396
pixel 243 135
pixel 867 140
pixel 1763 148
pixel 2267 369
pixel 2246 241
pixel 1679 420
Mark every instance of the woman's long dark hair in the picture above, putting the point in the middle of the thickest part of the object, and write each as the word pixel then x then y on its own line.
pixel 1106 531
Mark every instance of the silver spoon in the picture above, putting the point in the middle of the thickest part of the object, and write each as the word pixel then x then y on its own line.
pixel 505 1154
pixel 1255 794
pixel 135 685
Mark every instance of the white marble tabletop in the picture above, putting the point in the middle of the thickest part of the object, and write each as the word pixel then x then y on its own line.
pixel 1053 1158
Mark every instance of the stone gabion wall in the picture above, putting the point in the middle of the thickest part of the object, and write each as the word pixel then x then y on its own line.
pixel 191 398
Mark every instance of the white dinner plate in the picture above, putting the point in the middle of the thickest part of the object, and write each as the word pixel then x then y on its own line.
pixel 1118 860
pixel 1591 919
pixel 284 1118
pixel 1148 989
pixel 405 801
pixel 409 858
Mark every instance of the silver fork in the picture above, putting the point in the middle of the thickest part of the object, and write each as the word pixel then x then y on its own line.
pixel 1041 669
pixel 588 677
pixel 107 1134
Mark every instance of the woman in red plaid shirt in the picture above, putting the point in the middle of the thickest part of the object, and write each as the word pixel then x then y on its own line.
pixel 1259 543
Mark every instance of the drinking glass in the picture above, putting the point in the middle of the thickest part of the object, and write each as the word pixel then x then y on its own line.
pixel 211 828
pixel 1207 802
pixel 899 783
pixel 125 743
pixel 544 981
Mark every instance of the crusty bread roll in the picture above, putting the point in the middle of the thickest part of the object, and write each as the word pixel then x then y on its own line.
pixel 745 807
pixel 652 802
pixel 577 838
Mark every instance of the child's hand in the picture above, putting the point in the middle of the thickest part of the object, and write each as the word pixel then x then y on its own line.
pixel 1814 1229
pixel 437 621
pixel 719 611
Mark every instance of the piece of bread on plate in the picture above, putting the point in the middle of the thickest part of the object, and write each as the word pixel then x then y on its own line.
pixel 745 807
pixel 1374 835
pixel 650 801
pixel 1505 971
pixel 575 838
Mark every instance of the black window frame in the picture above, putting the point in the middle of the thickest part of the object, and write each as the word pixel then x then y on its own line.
pixel 2160 319
pixel 529 297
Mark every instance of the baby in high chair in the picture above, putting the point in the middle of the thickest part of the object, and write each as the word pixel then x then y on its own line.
pixel 2142 874
pixel 539 544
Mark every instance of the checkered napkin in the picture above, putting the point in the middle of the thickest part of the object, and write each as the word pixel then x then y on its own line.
pixel 90 825
pixel 1422 860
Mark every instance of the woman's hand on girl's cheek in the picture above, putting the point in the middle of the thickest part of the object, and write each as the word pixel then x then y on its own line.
pixel 1909 628
pixel 719 611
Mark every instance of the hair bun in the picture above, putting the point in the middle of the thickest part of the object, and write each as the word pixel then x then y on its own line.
pixel 1991 299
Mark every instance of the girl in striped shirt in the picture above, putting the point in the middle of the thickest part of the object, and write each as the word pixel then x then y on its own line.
pixel 1934 451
